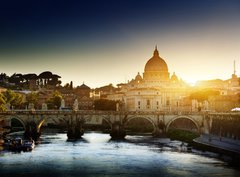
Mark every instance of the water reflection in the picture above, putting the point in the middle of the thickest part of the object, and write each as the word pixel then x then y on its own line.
pixel 96 155
pixel 96 137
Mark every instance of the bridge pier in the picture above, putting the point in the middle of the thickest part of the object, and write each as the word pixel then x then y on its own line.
pixel 159 130
pixel 75 129
pixel 159 133
pixel 117 131
pixel 75 132
pixel 32 131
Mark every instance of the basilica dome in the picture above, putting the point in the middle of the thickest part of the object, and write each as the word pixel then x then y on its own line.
pixel 156 63
pixel 156 69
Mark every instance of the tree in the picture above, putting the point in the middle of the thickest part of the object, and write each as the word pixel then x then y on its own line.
pixel 14 99
pixel 18 101
pixel 203 94
pixel 10 96
pixel 2 103
pixel 3 78
pixel 54 80
pixel 28 77
pixel 16 79
pixel 66 86
pixel 47 78
pixel 44 77
pixel 55 101
pixel 71 85
pixel 32 98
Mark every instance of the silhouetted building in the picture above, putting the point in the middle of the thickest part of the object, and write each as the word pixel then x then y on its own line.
pixel 83 95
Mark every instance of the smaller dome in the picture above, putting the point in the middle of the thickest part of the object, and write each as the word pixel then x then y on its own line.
pixel 138 77
pixel 174 77
pixel 83 86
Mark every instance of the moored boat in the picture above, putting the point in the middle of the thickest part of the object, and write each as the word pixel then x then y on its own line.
pixel 17 144
pixel 28 145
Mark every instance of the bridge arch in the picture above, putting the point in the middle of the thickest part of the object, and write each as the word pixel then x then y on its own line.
pixel 19 120
pixel 183 117
pixel 140 117
pixel 107 119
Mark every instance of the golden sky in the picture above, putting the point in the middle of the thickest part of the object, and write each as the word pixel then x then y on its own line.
pixel 109 43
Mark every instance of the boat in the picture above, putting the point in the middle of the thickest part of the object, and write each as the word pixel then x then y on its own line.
pixel 17 144
pixel 28 145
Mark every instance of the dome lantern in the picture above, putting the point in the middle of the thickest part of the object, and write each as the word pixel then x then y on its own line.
pixel 156 53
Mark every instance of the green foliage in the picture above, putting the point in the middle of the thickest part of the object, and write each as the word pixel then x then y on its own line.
pixel 182 135
pixel 14 99
pixel 18 101
pixel 32 98
pixel 55 101
pixel 104 104
pixel 10 96
pixel 21 81
pixel 2 103
pixel 203 94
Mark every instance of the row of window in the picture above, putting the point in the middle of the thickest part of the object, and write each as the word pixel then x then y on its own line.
pixel 140 93
pixel 157 103
pixel 148 105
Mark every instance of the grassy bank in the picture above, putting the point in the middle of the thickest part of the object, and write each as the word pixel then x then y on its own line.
pixel 187 136
pixel 182 135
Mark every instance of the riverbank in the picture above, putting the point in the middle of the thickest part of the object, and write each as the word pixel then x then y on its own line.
pixel 223 146
pixel 182 135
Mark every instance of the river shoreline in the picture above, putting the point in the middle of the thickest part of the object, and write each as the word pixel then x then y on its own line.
pixel 194 140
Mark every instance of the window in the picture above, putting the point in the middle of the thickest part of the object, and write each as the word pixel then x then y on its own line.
pixel 139 103
pixel 168 101
pixel 148 104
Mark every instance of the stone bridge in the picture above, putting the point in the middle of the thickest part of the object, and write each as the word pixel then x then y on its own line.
pixel 161 121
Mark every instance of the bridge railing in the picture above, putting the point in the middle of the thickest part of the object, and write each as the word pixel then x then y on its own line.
pixel 99 112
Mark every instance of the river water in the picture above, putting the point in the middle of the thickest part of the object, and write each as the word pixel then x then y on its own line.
pixel 96 155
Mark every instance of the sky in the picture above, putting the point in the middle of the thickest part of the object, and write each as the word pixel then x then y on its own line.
pixel 99 42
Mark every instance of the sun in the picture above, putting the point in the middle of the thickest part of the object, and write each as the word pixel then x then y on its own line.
pixel 192 82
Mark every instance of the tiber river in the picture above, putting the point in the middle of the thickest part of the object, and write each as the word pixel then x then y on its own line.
pixel 97 155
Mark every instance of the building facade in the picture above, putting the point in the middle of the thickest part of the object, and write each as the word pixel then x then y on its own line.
pixel 155 90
